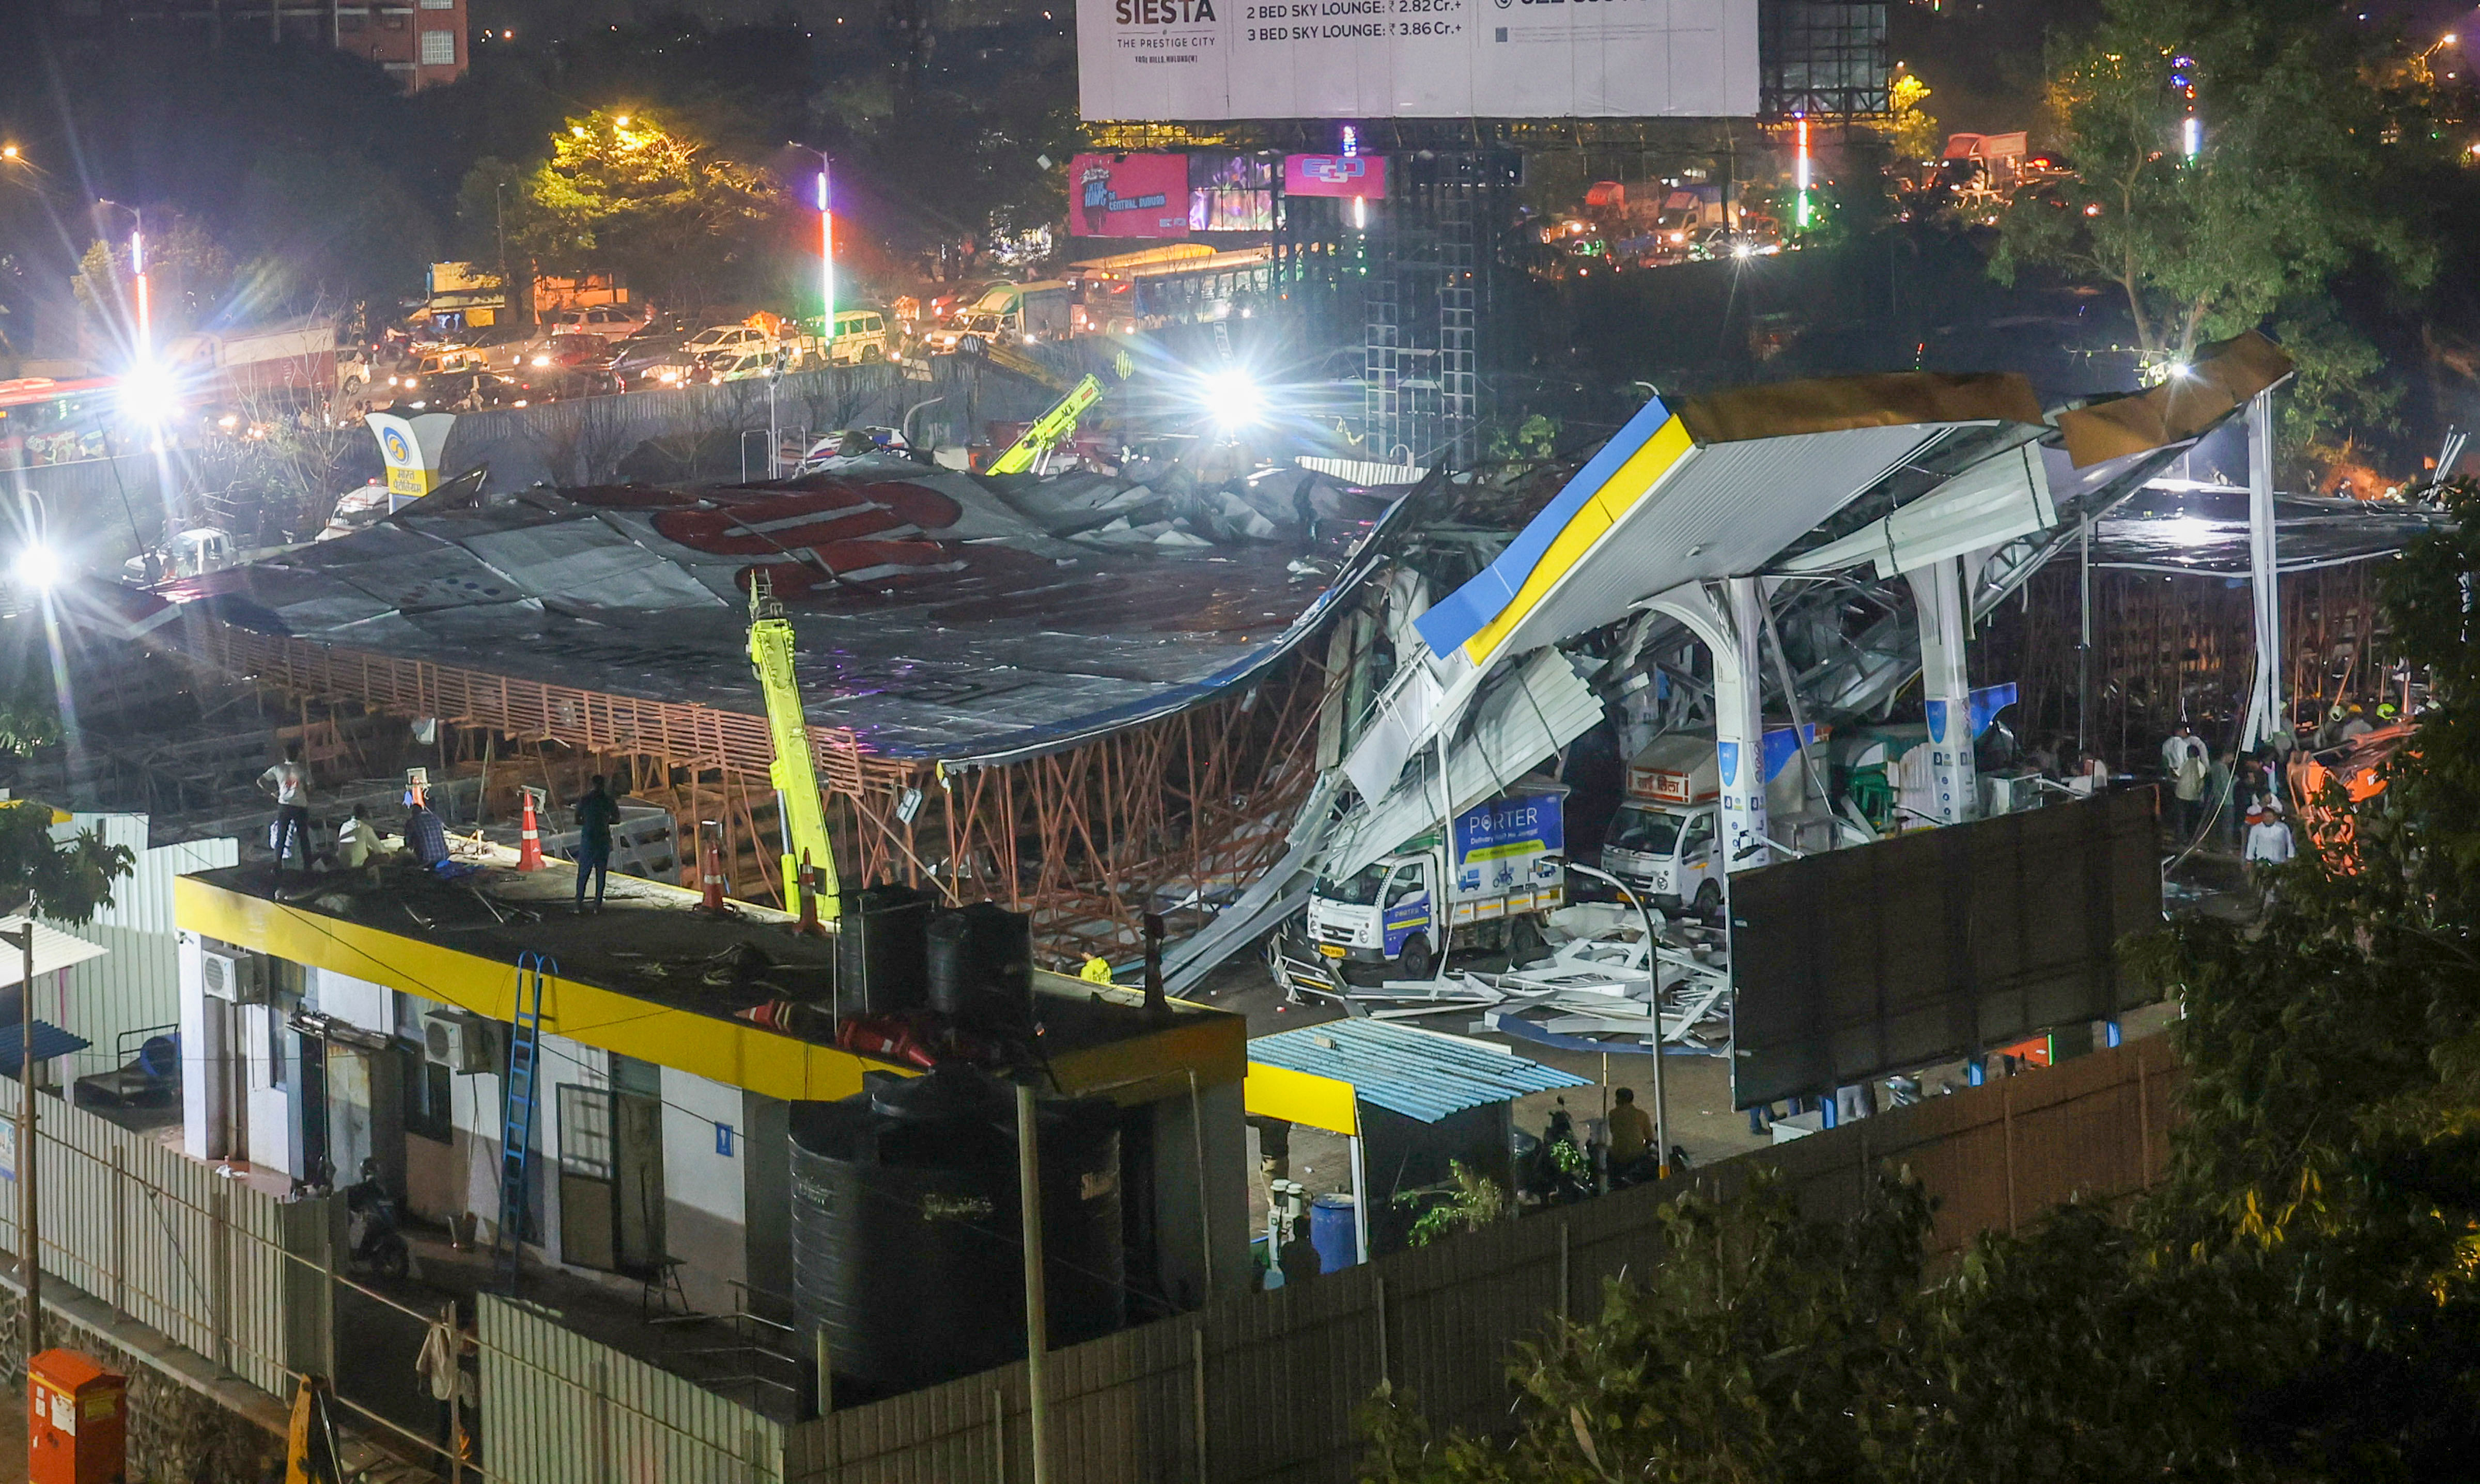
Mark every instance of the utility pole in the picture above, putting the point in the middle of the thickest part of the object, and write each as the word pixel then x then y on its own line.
pixel 30 1267
pixel 1653 978
pixel 1037 1326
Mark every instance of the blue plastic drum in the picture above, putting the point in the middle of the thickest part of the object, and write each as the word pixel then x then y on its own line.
pixel 1332 1231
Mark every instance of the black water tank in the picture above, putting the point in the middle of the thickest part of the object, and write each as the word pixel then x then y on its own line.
pixel 906 1231
pixel 981 966
pixel 881 947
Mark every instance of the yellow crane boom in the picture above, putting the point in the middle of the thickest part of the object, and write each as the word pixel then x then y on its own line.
pixel 794 770
pixel 1049 430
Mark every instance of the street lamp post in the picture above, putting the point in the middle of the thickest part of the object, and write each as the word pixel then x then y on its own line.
pixel 138 274
pixel 30 1265
pixel 826 250
pixel 1653 978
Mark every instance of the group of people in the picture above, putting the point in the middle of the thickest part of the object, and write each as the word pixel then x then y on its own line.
pixel 597 813
pixel 2242 800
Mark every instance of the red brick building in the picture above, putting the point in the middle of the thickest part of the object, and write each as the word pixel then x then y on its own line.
pixel 421 43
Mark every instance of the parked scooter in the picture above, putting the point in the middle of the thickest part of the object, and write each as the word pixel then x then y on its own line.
pixel 1554 1170
pixel 378 1246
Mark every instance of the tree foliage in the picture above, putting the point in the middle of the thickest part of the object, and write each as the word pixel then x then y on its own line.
pixel 674 218
pixel 1911 129
pixel 69 881
pixel 2306 170
pixel 2299 1300
pixel 190 278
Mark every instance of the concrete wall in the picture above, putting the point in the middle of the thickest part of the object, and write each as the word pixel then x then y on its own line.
pixel 1222 1195
pixel 706 1209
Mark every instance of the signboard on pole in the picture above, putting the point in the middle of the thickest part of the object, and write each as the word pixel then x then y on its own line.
pixel 410 447
pixel 1128 195
pixel 1164 60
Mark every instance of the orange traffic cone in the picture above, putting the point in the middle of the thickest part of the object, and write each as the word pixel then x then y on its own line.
pixel 530 857
pixel 807 889
pixel 710 864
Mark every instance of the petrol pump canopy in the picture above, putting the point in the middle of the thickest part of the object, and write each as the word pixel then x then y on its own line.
pixel 1714 489
pixel 1314 1075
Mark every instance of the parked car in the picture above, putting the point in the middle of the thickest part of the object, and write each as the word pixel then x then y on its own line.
pixel 457 391
pixel 570 351
pixel 860 335
pixel 634 360
pixel 611 322
pixel 729 337
pixel 741 365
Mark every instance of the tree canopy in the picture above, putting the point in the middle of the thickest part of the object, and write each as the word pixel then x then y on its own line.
pixel 624 194
pixel 2299 1300
pixel 69 881
pixel 2304 168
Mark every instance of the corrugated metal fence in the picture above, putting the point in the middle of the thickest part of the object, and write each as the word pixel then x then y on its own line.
pixel 1255 1389
pixel 1260 1387
pixel 558 1408
pixel 137 985
pixel 170 1242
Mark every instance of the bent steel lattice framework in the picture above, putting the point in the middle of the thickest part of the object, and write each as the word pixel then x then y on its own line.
pixel 1170 814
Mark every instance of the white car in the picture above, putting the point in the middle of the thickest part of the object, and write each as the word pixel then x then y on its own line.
pixel 611 322
pixel 743 366
pixel 729 337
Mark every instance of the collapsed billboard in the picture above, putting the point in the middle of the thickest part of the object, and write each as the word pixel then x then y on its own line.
pixel 1166 60
pixel 1861 962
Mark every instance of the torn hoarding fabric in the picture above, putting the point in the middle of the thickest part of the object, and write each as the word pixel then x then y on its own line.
pixel 936 615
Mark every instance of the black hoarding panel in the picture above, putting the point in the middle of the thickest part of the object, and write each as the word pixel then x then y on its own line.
pixel 1860 962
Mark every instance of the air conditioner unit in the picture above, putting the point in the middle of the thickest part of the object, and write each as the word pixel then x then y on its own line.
pixel 461 1041
pixel 232 977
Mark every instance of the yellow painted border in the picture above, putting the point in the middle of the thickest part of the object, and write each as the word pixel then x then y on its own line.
pixel 1591 522
pixel 1303 1097
pixel 731 1052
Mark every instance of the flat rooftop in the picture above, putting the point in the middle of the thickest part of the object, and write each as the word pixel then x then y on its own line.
pixel 654 978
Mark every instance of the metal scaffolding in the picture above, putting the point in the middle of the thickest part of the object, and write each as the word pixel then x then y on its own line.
pixel 1171 816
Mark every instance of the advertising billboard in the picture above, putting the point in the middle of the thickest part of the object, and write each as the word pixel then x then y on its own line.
pixel 1128 195
pixel 1166 60
pixel 1941 943
pixel 1344 175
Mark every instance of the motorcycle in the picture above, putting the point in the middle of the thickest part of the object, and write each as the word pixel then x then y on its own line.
pixel 1554 1170
pixel 378 1246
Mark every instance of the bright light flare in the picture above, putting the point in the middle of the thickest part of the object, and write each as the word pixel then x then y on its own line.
pixel 36 568
pixel 149 392
pixel 1234 400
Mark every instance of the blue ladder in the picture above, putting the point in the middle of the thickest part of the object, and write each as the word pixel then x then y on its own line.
pixel 517 1122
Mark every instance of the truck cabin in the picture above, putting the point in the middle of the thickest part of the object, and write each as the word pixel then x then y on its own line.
pixel 1668 852
pixel 1371 915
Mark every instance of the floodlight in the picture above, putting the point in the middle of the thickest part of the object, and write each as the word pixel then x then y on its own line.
pixel 36 568
pixel 1234 400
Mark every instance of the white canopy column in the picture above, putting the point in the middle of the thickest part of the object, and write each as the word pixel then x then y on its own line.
pixel 2264 715
pixel 1726 615
pixel 1937 590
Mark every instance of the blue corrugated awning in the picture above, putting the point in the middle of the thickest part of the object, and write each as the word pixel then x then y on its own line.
pixel 50 1042
pixel 1418 1074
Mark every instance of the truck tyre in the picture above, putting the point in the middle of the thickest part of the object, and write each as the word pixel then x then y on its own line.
pixel 1416 958
pixel 1708 900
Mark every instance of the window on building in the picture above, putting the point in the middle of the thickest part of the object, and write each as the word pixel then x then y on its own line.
pixel 439 5
pixel 439 48
pixel 392 22
pixel 428 1091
